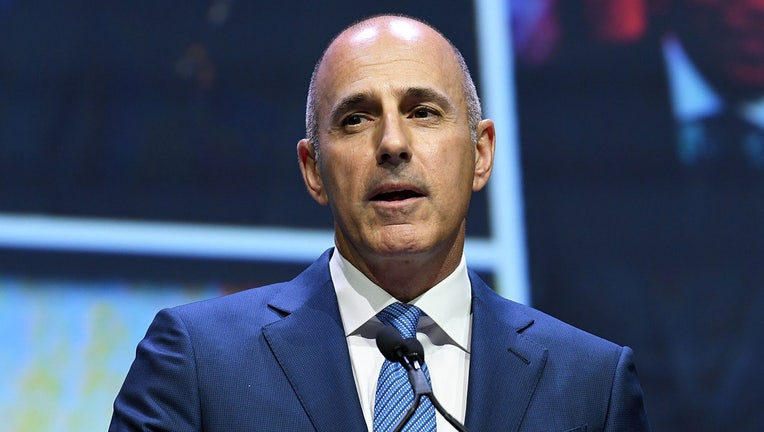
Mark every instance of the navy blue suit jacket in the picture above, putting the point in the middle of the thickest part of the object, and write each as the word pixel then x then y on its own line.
pixel 275 359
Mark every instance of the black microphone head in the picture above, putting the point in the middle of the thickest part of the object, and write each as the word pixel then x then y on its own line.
pixel 415 350
pixel 390 343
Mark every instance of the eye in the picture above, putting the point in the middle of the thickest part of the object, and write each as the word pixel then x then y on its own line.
pixel 353 120
pixel 423 113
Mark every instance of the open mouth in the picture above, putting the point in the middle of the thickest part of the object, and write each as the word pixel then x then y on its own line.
pixel 397 195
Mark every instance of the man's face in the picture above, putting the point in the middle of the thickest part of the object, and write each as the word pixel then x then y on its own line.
pixel 396 165
pixel 726 39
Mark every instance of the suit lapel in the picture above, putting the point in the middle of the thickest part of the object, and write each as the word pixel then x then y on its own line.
pixel 309 344
pixel 505 366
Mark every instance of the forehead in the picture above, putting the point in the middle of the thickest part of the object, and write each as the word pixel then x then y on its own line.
pixel 393 56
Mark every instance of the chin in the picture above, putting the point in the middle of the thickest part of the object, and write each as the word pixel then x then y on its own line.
pixel 402 248
pixel 397 240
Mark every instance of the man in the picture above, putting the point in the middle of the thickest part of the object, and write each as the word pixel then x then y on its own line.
pixel 395 147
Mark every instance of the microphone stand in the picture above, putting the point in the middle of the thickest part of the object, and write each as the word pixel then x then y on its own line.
pixel 423 388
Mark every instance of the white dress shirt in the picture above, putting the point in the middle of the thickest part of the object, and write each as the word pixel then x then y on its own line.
pixel 444 332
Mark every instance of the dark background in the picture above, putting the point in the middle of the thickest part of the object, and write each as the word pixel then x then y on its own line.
pixel 179 111
pixel 627 239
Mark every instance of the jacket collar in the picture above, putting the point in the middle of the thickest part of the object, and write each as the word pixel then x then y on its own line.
pixel 309 344
pixel 505 366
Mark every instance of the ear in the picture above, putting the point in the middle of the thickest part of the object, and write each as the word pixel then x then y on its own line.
pixel 310 174
pixel 484 150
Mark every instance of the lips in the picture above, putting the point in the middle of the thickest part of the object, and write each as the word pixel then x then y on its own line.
pixel 396 193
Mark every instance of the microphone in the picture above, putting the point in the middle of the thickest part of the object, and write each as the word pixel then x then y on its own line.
pixel 410 354
pixel 391 344
pixel 414 349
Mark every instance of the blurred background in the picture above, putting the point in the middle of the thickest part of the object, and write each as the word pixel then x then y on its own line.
pixel 147 159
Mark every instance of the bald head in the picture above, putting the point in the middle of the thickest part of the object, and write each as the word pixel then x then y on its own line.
pixel 396 36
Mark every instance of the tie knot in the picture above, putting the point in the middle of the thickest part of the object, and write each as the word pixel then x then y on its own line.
pixel 404 317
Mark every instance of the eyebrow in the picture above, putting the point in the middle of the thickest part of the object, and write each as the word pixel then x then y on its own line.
pixel 428 94
pixel 348 103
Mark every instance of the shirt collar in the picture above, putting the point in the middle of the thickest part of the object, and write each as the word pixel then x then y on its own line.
pixel 447 304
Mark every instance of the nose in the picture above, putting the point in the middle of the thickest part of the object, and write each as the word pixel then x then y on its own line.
pixel 394 145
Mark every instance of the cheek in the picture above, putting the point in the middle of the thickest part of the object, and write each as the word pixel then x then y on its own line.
pixel 461 165
pixel 455 179
pixel 343 179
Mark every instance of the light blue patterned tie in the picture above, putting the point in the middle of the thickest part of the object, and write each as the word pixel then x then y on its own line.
pixel 394 393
